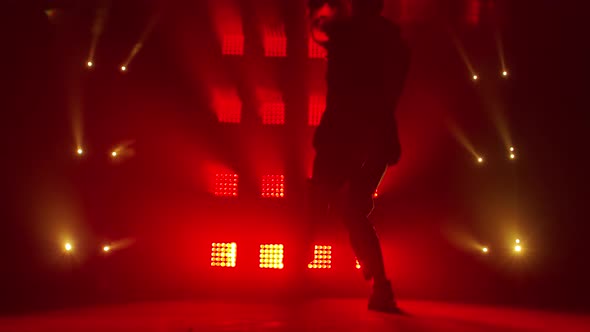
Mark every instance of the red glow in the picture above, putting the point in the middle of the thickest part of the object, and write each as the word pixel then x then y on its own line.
pixel 232 44
pixel 228 106
pixel 273 113
pixel 358 265
pixel 317 106
pixel 273 186
pixel 224 254
pixel 322 258
pixel 275 42
pixel 315 51
pixel 226 185
pixel 271 256
pixel 473 11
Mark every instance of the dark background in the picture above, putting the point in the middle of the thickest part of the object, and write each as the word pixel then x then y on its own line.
pixel 435 205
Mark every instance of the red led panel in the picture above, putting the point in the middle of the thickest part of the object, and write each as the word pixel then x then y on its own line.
pixel 224 254
pixel 228 106
pixel 315 51
pixel 273 113
pixel 226 185
pixel 273 186
pixel 275 42
pixel 317 106
pixel 473 11
pixel 271 256
pixel 322 258
pixel 232 44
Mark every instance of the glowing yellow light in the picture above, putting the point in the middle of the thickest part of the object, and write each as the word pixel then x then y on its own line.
pixel 89 64
pixel 485 250
pixel 512 156
pixel 511 149
pixel 114 153
pixel 475 77
pixel 106 248
pixel 80 151
pixel 505 73
pixel 517 241
pixel 480 160
pixel 68 247
pixel 123 68
pixel 517 248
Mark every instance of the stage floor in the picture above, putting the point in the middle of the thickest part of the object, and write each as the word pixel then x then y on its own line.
pixel 314 315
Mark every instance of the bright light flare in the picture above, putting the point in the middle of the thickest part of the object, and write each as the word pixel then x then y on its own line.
pixel 114 154
pixel 517 241
pixel 89 64
pixel 80 151
pixel 480 160
pixel 485 250
pixel 518 248
pixel 512 156
pixel 68 247
pixel 123 68
pixel 106 248
pixel 475 77
pixel 505 73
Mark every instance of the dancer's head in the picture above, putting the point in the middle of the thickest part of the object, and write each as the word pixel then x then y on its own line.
pixel 324 13
pixel 367 7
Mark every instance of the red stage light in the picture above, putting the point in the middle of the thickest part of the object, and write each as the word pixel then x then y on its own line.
pixel 233 44
pixel 228 106
pixel 226 185
pixel 275 42
pixel 317 106
pixel 224 254
pixel 358 265
pixel 273 186
pixel 376 194
pixel 322 258
pixel 315 51
pixel 473 13
pixel 271 256
pixel 273 113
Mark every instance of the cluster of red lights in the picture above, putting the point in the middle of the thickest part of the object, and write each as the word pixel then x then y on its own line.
pixel 275 42
pixel 317 106
pixel 273 186
pixel 271 256
pixel 273 113
pixel 322 258
pixel 233 44
pixel 315 51
pixel 224 254
pixel 226 185
pixel 228 107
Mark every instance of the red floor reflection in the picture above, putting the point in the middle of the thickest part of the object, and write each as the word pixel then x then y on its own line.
pixel 313 315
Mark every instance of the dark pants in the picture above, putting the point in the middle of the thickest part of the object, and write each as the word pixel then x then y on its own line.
pixel 332 169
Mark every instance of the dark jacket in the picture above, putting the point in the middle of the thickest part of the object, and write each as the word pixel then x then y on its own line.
pixel 367 66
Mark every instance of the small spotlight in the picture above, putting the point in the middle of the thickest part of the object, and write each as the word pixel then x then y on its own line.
pixel 511 149
pixel 512 156
pixel 505 73
pixel 485 250
pixel 114 154
pixel 480 160
pixel 89 64
pixel 517 241
pixel 475 77
pixel 68 247
pixel 106 248
pixel 123 68
pixel 517 248
pixel 80 151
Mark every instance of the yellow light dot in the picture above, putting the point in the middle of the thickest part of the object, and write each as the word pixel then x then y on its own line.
pixel 505 73
pixel 106 248
pixel 485 249
pixel 517 248
pixel 123 68
pixel 68 247
pixel 511 149
pixel 79 151
pixel 89 64
pixel 480 160
pixel 475 77
pixel 512 156
pixel 114 153
pixel 517 241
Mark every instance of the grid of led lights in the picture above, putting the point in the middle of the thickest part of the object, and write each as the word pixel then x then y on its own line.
pixel 226 185
pixel 322 258
pixel 228 107
pixel 315 51
pixel 224 254
pixel 273 186
pixel 271 256
pixel 275 42
pixel 233 44
pixel 273 113
pixel 317 105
